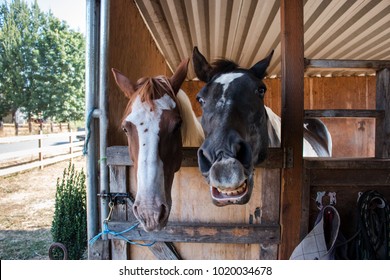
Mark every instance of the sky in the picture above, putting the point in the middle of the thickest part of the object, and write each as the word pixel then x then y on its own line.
pixel 71 11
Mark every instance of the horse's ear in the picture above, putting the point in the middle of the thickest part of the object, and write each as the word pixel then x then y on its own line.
pixel 179 76
pixel 202 68
pixel 124 83
pixel 260 68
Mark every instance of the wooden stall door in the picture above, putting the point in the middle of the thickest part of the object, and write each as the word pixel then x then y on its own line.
pixel 197 229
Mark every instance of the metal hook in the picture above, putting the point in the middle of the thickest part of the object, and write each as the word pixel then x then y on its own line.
pixel 320 196
pixel 111 205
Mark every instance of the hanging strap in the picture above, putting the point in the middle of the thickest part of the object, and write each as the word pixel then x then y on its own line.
pixel 373 226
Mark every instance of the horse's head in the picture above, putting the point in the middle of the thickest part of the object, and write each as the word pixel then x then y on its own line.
pixel 234 121
pixel 152 123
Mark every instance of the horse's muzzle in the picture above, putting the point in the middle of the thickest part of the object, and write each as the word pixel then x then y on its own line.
pixel 152 218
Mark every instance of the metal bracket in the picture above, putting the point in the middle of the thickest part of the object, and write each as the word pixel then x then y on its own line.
pixel 116 198
pixel 288 157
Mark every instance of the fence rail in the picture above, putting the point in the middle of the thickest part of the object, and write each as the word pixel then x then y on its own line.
pixel 10 129
pixel 24 159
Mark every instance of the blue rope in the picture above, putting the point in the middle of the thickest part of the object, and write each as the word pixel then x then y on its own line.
pixel 89 118
pixel 106 230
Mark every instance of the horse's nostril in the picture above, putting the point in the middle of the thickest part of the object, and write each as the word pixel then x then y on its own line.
pixel 135 210
pixel 243 153
pixel 204 162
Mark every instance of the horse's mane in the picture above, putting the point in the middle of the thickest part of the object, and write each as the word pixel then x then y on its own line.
pixel 223 66
pixel 191 131
pixel 274 128
pixel 153 88
pixel 149 89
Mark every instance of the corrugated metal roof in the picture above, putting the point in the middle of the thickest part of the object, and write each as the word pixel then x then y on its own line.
pixel 245 31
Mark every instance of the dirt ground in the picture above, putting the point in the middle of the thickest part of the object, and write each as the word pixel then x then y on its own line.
pixel 26 211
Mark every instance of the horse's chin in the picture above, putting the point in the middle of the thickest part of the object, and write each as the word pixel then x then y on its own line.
pixel 238 195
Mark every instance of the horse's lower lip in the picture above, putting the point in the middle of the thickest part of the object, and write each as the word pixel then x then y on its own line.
pixel 230 196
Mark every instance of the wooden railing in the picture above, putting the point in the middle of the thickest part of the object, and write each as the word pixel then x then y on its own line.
pixel 10 129
pixel 24 159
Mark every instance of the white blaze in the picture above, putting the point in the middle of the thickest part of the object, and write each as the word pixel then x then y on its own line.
pixel 150 166
pixel 225 81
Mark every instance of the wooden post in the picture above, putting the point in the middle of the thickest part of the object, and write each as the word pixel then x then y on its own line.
pixel 292 122
pixel 118 183
pixel 382 135
pixel 40 147
pixel 71 146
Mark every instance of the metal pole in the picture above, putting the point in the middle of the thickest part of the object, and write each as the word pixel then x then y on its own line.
pixel 103 92
pixel 91 90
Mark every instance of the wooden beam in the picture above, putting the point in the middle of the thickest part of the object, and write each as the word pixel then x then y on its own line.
pixel 204 233
pixel 378 114
pixel 349 177
pixel 119 155
pixel 347 64
pixel 382 137
pixel 347 163
pixel 291 12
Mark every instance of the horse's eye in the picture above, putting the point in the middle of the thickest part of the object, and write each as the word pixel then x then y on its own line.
pixel 177 126
pixel 124 129
pixel 260 91
pixel 200 100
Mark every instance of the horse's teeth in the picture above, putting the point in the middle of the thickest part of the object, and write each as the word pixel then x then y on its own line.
pixel 237 191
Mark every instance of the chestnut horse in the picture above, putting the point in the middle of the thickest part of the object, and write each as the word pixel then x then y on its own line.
pixel 158 120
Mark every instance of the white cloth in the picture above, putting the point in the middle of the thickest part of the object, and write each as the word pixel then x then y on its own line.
pixel 314 245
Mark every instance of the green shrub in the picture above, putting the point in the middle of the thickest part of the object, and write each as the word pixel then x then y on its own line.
pixel 69 225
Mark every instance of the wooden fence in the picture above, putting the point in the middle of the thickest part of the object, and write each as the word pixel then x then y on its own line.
pixel 10 129
pixel 24 159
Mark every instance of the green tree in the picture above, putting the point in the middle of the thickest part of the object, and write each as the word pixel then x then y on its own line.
pixel 42 61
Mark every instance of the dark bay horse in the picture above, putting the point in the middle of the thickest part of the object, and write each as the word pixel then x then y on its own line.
pixel 238 127
pixel 157 121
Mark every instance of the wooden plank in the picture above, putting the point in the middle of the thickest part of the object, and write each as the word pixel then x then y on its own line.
pixel 344 113
pixel 205 233
pixel 16 139
pixel 119 155
pixel 35 151
pixel 347 163
pixel 270 197
pixel 382 142
pixel 305 203
pixel 19 168
pixel 350 177
pixel 347 64
pixel 164 251
pixel 292 61
pixel 99 250
pixel 118 183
